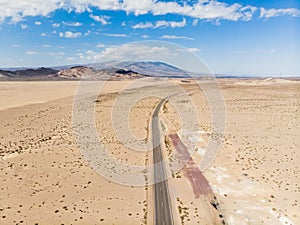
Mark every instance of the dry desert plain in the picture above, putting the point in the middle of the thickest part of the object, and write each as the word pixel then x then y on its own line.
pixel 44 178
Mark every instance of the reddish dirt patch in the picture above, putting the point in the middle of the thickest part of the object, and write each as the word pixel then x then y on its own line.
pixel 198 182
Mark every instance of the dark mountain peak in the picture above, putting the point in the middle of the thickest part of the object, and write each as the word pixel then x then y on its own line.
pixel 79 67
pixel 36 72
pixel 156 69
pixel 123 71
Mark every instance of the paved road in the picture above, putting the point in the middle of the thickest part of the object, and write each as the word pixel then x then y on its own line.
pixel 163 210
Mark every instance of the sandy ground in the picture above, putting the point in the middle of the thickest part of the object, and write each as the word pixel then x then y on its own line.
pixel 257 170
pixel 256 173
pixel 45 180
pixel 15 94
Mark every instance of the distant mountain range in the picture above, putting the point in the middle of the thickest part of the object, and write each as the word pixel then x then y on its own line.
pixel 28 73
pixel 149 68
pixel 112 70
pixel 156 69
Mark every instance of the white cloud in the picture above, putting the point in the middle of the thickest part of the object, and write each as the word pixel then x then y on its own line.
pixel 268 13
pixel 195 22
pixel 54 53
pixel 43 34
pixel 37 23
pixel 176 37
pixel 81 6
pixel 45 53
pixel 264 51
pixel 87 56
pixel 16 10
pixel 203 9
pixel 101 19
pixel 216 22
pixel 145 36
pixel 193 50
pixel 100 45
pixel 90 54
pixel 160 23
pixel 72 24
pixel 143 25
pixel 70 58
pixel 69 34
pixel 80 55
pixel 255 51
pixel 127 52
pixel 87 33
pixel 134 52
pixel 177 24
pixel 55 25
pixel 46 46
pixel 116 35
pixel 15 45
pixel 23 26
pixel 31 53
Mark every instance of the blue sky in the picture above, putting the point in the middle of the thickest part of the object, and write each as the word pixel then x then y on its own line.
pixel 231 36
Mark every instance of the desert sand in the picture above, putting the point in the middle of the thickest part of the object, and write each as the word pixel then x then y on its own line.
pixel 45 180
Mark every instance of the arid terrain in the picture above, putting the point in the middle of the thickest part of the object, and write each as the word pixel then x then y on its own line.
pixel 44 178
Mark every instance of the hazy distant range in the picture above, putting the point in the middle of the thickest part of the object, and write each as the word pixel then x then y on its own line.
pixel 108 70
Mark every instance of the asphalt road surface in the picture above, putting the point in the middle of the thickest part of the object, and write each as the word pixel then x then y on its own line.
pixel 162 204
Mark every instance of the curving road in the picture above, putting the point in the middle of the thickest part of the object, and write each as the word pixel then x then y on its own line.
pixel 162 204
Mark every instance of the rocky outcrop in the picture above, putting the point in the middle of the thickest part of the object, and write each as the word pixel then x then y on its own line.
pixel 77 72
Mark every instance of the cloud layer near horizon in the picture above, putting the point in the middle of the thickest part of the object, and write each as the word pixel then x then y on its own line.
pixel 16 10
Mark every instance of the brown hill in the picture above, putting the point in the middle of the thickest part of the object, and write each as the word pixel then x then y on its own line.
pixel 77 72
